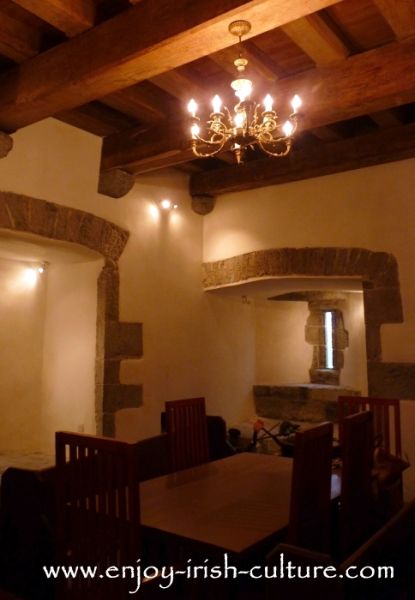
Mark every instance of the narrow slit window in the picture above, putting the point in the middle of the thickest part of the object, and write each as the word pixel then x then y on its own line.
pixel 328 335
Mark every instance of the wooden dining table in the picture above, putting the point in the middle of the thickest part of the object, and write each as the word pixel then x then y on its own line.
pixel 234 505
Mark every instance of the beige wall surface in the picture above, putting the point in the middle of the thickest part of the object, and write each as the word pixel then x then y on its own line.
pixel 22 313
pixel 282 355
pixel 68 382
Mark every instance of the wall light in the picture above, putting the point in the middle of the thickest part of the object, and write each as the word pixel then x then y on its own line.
pixel 167 204
pixel 30 276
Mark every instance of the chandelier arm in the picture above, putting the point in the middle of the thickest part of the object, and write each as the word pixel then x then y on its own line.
pixel 207 154
pixel 286 141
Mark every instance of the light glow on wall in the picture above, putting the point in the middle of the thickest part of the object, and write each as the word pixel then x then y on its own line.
pixel 29 277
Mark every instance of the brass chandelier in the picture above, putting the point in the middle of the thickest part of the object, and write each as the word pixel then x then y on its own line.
pixel 250 124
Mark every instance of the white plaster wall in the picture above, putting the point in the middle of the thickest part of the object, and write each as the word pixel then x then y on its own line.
pixel 68 383
pixel 283 357
pixel 21 339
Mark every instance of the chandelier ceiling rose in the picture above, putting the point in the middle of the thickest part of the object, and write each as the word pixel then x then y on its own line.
pixel 239 28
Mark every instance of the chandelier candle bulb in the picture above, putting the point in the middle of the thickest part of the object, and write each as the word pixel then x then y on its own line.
pixel 192 107
pixel 217 104
pixel 268 101
pixel 195 130
pixel 288 128
pixel 239 120
pixel 296 102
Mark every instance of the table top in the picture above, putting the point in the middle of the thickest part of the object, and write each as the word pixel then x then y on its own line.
pixel 233 504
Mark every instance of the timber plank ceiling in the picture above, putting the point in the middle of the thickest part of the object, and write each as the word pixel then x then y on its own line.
pixel 125 69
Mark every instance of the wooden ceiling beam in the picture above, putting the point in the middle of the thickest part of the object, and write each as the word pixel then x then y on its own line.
pixel 138 151
pixel 18 41
pixel 96 118
pixel 385 119
pixel 317 39
pixel 309 161
pixel 72 17
pixel 125 50
pixel 330 94
pixel 400 14
pixel 140 102
pixel 179 85
pixel 340 92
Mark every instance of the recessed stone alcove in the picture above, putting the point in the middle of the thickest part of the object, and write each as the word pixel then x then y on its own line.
pixel 378 273
pixel 304 402
pixel 115 340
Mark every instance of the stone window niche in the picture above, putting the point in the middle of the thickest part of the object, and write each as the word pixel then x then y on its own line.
pixel 325 331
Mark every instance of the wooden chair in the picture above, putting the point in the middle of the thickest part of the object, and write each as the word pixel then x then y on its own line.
pixel 387 431
pixel 98 511
pixel 309 524
pixel 356 500
pixel 391 547
pixel 187 433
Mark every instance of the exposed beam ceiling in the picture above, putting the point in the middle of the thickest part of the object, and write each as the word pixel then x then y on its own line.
pixel 371 149
pixel 330 94
pixel 70 16
pixel 317 39
pixel 400 14
pixel 124 50
pixel 18 41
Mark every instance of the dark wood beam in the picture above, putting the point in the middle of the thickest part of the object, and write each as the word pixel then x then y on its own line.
pixel 309 161
pixel 72 17
pixel 138 151
pixel 126 50
pixel 317 39
pixel 143 102
pixel 400 14
pixel 330 94
pixel 96 118
pixel 339 92
pixel 18 41
pixel 385 119
pixel 179 85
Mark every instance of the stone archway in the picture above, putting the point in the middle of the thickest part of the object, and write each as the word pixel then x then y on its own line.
pixel 115 340
pixel 378 272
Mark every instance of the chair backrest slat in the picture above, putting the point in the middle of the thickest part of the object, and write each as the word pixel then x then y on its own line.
pixel 386 411
pixel 187 433
pixel 98 510
pixel 356 501
pixel 309 524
